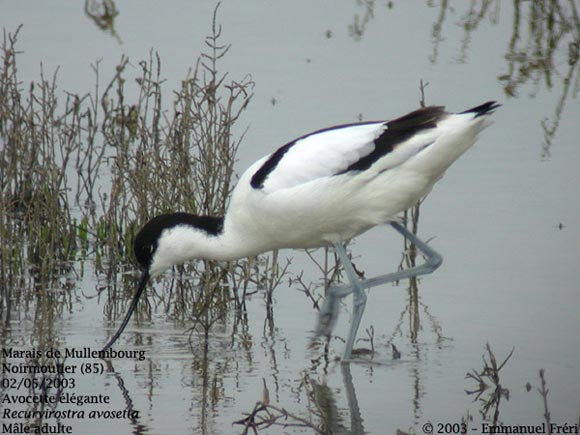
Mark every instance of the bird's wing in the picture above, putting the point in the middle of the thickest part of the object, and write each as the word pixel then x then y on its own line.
pixel 347 149
pixel 320 154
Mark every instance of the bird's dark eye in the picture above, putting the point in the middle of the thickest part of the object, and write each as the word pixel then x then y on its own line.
pixel 144 254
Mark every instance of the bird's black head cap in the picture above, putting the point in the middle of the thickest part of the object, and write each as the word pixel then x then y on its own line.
pixel 147 239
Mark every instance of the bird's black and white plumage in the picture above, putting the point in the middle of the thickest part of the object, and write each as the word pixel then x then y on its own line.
pixel 321 189
pixel 324 187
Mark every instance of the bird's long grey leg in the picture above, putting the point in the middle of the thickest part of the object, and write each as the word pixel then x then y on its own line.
pixel 359 300
pixel 330 306
pixel 329 311
pixel 432 261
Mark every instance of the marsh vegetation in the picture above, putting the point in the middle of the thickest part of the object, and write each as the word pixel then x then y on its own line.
pixel 80 173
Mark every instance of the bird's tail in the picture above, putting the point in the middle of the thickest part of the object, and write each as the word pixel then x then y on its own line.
pixel 483 109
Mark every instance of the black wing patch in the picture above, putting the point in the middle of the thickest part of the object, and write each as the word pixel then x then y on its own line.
pixel 261 174
pixel 398 131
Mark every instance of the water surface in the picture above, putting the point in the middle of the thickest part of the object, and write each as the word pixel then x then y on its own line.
pixel 506 217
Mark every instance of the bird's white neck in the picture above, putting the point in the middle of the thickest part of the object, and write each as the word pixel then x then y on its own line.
pixel 184 243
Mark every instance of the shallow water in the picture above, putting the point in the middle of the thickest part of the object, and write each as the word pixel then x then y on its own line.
pixel 506 218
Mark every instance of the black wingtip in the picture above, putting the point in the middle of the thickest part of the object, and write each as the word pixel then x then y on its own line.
pixel 483 109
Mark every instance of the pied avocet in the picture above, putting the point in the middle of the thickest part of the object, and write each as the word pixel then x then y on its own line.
pixel 321 189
